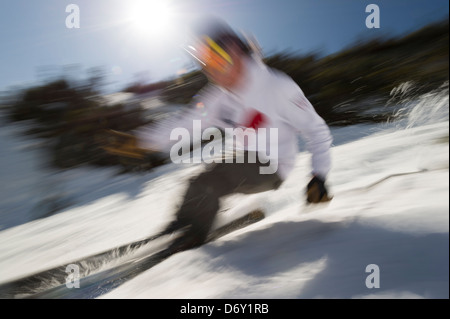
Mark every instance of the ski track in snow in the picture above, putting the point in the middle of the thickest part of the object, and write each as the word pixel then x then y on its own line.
pixel 400 224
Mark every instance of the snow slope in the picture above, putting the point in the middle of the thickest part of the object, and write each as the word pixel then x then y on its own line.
pixel 390 209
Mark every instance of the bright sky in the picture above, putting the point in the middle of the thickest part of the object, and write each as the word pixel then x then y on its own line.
pixel 135 39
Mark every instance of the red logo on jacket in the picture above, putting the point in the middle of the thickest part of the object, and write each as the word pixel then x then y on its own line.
pixel 254 119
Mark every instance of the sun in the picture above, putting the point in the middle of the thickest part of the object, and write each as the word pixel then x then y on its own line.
pixel 151 16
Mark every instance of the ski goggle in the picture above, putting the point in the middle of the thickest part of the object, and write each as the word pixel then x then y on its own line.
pixel 210 55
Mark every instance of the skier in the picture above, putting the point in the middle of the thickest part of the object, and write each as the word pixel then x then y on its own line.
pixel 242 93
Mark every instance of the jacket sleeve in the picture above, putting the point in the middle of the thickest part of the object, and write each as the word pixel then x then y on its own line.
pixel 298 112
pixel 161 136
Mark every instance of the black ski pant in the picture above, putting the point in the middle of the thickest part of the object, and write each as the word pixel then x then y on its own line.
pixel 201 200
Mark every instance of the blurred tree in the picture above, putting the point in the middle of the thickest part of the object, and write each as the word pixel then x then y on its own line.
pixel 74 119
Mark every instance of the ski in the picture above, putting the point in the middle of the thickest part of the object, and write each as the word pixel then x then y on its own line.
pixel 93 285
pixel 57 275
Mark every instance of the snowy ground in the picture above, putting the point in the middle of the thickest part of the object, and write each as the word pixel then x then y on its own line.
pixel 391 188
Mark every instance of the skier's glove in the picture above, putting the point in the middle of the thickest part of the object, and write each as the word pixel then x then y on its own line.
pixel 316 192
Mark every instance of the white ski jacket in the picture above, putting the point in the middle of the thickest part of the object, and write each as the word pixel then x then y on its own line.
pixel 268 100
